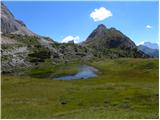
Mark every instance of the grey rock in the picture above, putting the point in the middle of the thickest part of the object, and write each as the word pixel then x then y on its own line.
pixel 10 25
pixel 71 42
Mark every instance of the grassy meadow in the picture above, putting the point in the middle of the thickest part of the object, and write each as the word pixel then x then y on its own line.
pixel 124 88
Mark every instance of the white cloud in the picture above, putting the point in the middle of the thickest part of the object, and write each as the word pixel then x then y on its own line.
pixel 148 26
pixel 70 38
pixel 140 43
pixel 100 14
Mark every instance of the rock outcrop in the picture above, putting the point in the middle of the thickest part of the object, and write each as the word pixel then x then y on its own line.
pixel 17 42
pixel 11 25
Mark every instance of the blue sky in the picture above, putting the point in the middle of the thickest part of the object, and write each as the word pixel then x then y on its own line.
pixel 62 20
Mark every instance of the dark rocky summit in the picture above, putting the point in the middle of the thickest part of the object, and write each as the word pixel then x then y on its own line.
pixel 103 37
pixel 111 40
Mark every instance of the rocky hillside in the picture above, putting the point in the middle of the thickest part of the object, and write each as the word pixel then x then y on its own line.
pixel 11 25
pixel 21 48
pixel 103 37
pixel 111 42
pixel 17 42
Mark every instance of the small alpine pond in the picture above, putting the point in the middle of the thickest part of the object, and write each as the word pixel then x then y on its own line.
pixel 84 72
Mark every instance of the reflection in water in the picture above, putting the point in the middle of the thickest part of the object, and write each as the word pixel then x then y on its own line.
pixel 85 72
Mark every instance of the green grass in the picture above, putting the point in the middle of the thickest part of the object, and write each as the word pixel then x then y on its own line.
pixel 124 88
pixel 49 69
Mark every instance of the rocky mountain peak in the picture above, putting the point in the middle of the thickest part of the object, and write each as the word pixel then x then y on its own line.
pixel 5 12
pixel 99 31
pixel 10 25
pixel 103 37
pixel 101 27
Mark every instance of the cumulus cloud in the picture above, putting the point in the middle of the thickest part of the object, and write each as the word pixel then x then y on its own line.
pixel 140 43
pixel 70 38
pixel 148 26
pixel 100 14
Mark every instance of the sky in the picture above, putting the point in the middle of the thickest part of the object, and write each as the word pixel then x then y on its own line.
pixel 64 21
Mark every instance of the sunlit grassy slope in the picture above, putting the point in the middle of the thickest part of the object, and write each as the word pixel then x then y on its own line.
pixel 124 88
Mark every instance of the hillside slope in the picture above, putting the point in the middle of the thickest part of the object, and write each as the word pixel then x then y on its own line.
pixel 111 42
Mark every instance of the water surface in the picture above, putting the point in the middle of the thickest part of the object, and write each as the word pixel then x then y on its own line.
pixel 85 71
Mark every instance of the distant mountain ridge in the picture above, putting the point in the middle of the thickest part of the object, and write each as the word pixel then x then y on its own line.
pixel 150 45
pixel 149 51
